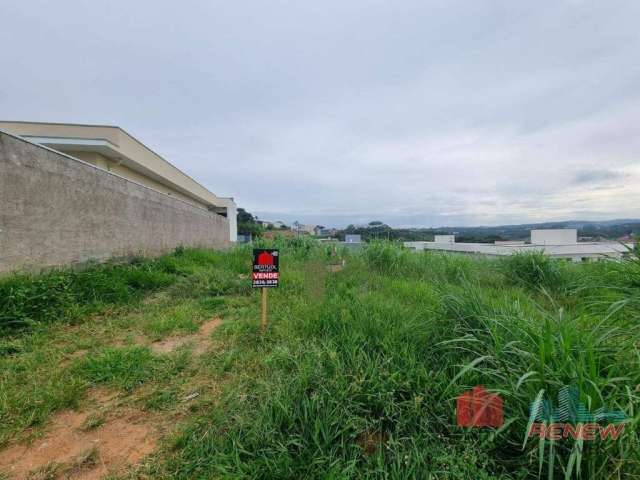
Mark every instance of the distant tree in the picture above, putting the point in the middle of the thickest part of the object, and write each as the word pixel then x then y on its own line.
pixel 248 224
pixel 373 230
pixel 593 230
pixel 246 217
pixel 479 238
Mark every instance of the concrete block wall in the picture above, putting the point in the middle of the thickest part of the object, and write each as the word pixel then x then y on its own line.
pixel 57 210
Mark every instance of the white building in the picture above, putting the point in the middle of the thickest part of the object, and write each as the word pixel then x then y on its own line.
pixel 353 238
pixel 303 229
pixel 555 243
pixel 556 236
pixel 444 238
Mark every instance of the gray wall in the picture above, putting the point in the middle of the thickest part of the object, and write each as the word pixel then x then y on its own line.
pixel 55 210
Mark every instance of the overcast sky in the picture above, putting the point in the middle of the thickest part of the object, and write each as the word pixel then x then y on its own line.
pixel 413 112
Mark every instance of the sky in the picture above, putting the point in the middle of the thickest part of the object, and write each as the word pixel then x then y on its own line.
pixel 413 112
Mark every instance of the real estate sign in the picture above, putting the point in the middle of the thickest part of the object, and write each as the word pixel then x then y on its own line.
pixel 266 268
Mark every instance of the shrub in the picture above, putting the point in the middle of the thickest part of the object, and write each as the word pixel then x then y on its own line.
pixel 534 270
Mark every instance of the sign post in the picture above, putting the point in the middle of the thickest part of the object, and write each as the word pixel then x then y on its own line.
pixel 266 274
pixel 264 309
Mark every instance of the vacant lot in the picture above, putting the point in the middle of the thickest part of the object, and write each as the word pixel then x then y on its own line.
pixel 158 369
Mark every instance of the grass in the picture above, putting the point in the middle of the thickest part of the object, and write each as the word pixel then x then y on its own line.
pixel 66 295
pixel 122 367
pixel 358 373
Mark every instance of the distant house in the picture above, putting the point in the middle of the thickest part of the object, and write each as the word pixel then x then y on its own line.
pixel 302 229
pixel 444 238
pixel 244 238
pixel 321 231
pixel 272 225
pixel 352 239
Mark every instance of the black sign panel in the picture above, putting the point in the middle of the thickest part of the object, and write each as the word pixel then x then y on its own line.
pixel 266 268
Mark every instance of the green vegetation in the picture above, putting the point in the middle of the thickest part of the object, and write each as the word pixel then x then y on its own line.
pixel 358 373
pixel 608 230
pixel 534 270
pixel 68 295
pixel 248 224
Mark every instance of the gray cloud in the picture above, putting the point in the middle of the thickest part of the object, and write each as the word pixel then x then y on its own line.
pixel 596 177
pixel 415 112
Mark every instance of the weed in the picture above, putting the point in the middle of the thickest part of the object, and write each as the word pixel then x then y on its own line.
pixel 94 421
pixel 49 471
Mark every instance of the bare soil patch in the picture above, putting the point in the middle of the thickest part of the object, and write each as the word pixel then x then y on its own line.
pixel 170 344
pixel 209 326
pixel 70 450
pixel 136 339
pixel 102 396
pixel 200 339
pixel 72 356
pixel 370 441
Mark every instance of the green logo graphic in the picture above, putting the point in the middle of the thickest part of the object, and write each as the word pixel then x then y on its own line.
pixel 571 410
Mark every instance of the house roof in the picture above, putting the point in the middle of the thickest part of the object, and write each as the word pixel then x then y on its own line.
pixel 115 143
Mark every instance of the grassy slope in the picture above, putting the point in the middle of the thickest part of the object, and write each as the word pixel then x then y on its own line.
pixel 358 373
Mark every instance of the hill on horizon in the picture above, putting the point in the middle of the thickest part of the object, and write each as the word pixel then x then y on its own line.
pixel 592 229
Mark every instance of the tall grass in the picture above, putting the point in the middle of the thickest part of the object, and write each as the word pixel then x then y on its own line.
pixel 67 295
pixel 534 270
pixel 358 373
pixel 363 384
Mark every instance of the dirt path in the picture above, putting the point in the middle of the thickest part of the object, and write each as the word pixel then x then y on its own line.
pixel 76 448
pixel 200 340
pixel 102 439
